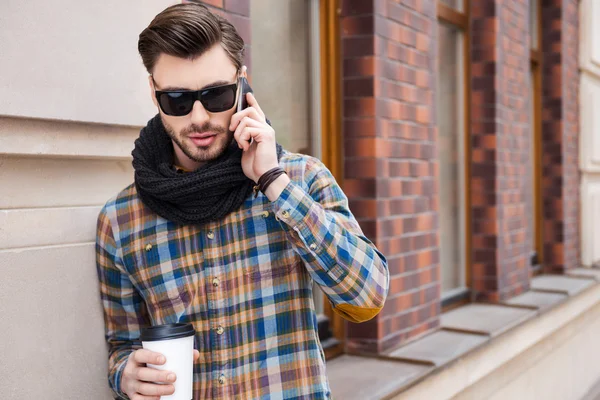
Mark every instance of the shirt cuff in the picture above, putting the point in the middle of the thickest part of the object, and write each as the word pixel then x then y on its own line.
pixel 292 205
pixel 118 375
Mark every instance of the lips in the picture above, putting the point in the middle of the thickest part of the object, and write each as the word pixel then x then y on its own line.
pixel 204 139
pixel 201 135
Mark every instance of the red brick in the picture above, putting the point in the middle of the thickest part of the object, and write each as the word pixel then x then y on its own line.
pixel 359 127
pixel 360 107
pixel 361 168
pixel 358 46
pixel 560 181
pixel 360 66
pixel 353 7
pixel 358 25
pixel 242 25
pixel 366 208
pixel 390 79
pixel 359 188
pixel 359 87
pixel 214 3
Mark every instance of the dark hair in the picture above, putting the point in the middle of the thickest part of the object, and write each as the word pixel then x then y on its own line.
pixel 186 31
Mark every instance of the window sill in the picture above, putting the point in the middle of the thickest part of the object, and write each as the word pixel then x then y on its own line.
pixel 421 368
pixel 455 298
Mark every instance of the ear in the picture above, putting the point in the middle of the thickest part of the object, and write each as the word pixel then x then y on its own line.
pixel 152 89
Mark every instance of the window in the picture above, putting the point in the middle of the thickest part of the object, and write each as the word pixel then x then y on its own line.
pixel 288 58
pixel 535 170
pixel 452 151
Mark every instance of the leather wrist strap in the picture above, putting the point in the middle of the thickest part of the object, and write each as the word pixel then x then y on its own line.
pixel 267 178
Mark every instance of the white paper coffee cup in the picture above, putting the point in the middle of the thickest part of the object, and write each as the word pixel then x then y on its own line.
pixel 176 343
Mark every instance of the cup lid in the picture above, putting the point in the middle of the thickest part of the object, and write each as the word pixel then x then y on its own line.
pixel 166 332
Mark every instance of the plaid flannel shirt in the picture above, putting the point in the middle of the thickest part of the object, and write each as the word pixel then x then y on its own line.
pixel 244 282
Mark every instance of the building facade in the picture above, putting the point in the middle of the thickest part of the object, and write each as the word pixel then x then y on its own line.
pixel 463 133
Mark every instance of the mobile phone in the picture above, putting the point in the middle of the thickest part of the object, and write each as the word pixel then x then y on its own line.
pixel 244 88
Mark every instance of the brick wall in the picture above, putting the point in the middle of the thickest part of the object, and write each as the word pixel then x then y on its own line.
pixel 388 50
pixel 501 136
pixel 389 53
pixel 238 13
pixel 560 183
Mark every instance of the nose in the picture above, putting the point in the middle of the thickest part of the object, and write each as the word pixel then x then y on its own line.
pixel 199 115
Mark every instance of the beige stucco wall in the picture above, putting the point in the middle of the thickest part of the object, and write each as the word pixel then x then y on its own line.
pixel 589 145
pixel 73 93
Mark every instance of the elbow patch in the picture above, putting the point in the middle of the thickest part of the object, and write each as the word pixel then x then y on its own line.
pixel 355 313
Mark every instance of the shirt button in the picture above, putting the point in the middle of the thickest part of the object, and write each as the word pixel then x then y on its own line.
pixel 148 247
pixel 215 282
pixel 285 214
pixel 265 214
pixel 222 379
pixel 220 330
pixel 313 246
pixel 211 235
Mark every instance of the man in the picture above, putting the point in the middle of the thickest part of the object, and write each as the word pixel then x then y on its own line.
pixel 224 229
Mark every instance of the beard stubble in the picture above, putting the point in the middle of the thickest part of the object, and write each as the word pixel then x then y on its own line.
pixel 222 141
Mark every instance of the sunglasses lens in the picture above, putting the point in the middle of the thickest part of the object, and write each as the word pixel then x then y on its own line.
pixel 219 99
pixel 176 103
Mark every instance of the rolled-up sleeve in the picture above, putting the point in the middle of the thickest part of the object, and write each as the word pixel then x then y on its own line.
pixel 341 260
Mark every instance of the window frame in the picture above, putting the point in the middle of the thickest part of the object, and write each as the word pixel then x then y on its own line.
pixel 461 21
pixel 332 330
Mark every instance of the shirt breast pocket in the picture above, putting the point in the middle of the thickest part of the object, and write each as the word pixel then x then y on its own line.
pixel 162 277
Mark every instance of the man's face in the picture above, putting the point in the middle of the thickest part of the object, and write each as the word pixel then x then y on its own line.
pixel 200 136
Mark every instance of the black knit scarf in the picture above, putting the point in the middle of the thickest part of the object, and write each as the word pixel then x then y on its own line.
pixel 207 194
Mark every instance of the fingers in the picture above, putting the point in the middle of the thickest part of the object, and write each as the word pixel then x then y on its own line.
pixel 250 133
pixel 138 380
pixel 254 104
pixel 154 375
pixel 142 397
pixel 196 355
pixel 240 130
pixel 151 389
pixel 250 112
pixel 144 356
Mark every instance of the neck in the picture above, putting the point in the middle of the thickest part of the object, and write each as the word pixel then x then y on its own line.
pixel 183 161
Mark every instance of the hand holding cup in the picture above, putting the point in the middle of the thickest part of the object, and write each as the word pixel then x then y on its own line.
pixel 140 382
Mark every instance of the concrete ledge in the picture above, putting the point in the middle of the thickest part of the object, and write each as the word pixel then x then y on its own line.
pixel 585 273
pixel 465 372
pixel 47 226
pixel 489 319
pixel 594 393
pixel 50 138
pixel 516 348
pixel 362 378
pixel 60 182
pixel 560 284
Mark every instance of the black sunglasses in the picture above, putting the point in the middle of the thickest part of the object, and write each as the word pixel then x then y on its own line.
pixel 215 99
